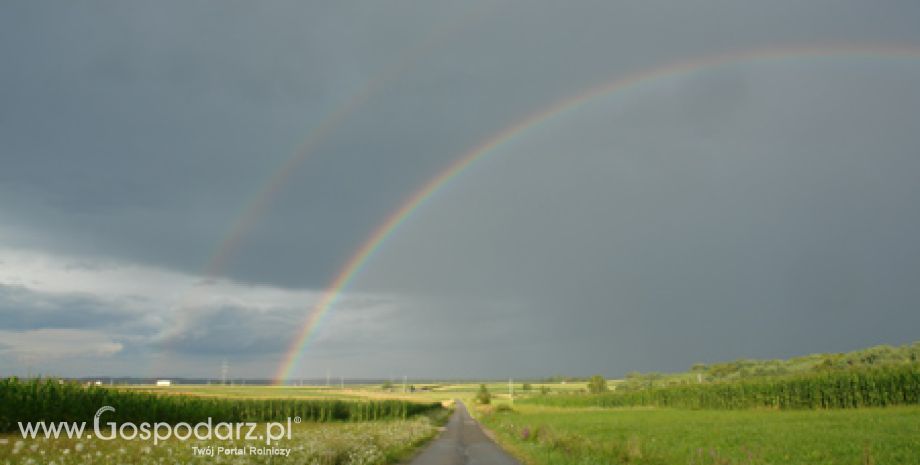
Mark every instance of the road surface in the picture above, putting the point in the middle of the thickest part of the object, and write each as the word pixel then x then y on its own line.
pixel 463 443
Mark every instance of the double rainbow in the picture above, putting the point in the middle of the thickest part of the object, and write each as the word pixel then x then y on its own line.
pixel 373 242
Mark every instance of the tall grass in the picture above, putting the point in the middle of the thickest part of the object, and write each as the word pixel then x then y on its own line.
pixel 838 389
pixel 54 400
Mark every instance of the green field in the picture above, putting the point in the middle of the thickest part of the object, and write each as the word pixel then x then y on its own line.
pixel 876 357
pixel 864 413
pixel 59 401
pixel 552 435
pixel 422 393
pixel 855 388
pixel 330 429
pixel 360 443
pixel 818 414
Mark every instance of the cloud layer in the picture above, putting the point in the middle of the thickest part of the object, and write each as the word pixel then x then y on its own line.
pixel 757 209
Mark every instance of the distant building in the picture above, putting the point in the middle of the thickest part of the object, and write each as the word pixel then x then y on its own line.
pixel 164 383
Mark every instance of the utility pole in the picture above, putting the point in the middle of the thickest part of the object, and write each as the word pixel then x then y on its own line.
pixel 224 368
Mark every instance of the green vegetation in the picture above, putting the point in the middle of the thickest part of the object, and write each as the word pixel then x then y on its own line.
pixel 597 384
pixel 54 400
pixel 483 396
pixel 360 443
pixel 652 436
pixel 871 358
pixel 249 392
pixel 819 409
pixel 896 385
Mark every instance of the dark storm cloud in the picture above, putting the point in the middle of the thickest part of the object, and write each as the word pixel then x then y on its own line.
pixel 776 225
pixel 143 131
pixel 777 196
pixel 234 331
pixel 24 309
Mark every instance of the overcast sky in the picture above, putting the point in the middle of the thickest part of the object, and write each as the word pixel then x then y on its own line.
pixel 763 208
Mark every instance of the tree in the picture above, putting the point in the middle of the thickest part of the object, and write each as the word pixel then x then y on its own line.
pixel 388 386
pixel 597 384
pixel 483 396
pixel 527 387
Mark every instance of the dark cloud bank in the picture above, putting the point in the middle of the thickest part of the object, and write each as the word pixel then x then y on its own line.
pixel 759 209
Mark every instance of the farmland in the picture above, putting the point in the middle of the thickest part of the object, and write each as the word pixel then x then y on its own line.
pixel 862 407
pixel 323 430
pixel 554 435
pixel 360 443
pixel 820 413
pixel 434 392
pixel 50 400
pixel 840 389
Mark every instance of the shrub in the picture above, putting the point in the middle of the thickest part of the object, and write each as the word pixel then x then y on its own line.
pixel 484 397
pixel 597 384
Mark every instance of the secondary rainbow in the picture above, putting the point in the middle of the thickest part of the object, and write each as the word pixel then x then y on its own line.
pixel 261 199
pixel 359 258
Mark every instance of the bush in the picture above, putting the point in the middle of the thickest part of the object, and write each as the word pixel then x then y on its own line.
pixel 484 397
pixel 597 384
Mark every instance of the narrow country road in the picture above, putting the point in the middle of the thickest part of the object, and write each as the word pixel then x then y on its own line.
pixel 463 443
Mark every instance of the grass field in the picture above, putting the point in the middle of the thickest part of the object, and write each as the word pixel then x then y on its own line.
pixel 552 435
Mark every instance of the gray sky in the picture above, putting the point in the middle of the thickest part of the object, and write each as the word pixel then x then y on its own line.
pixel 763 208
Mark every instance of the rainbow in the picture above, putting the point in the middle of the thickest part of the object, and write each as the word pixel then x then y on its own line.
pixel 261 199
pixel 258 203
pixel 359 258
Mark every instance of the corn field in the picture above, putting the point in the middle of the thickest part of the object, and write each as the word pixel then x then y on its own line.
pixel 54 400
pixel 838 389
